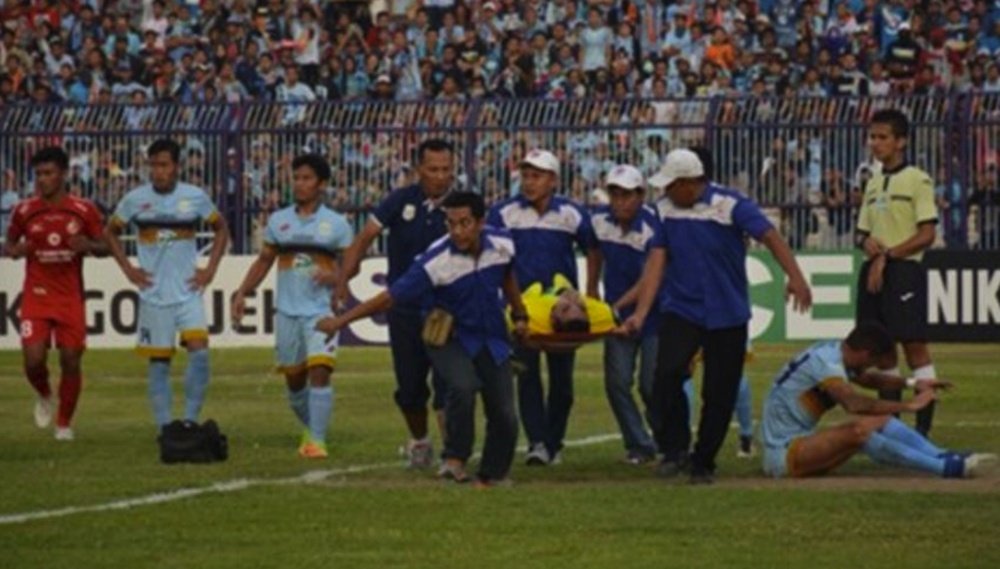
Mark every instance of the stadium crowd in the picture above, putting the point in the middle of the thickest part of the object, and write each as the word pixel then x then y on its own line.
pixel 624 54
pixel 235 50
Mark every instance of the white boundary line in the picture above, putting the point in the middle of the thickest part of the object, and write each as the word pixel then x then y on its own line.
pixel 235 485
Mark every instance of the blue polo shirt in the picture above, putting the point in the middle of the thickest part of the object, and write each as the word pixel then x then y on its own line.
pixel 469 288
pixel 624 252
pixel 544 242
pixel 705 281
pixel 414 223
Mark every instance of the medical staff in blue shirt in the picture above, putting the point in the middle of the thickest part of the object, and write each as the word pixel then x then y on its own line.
pixel 623 234
pixel 414 219
pixel 464 275
pixel 703 301
pixel 545 228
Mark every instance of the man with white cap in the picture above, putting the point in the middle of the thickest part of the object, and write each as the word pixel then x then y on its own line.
pixel 703 302
pixel 623 233
pixel 545 228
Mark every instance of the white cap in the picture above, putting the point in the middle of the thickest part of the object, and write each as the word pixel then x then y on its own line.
pixel 383 78
pixel 680 163
pixel 543 160
pixel 903 26
pixel 489 6
pixel 626 177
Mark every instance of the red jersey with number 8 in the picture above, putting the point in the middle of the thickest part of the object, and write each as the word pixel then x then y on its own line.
pixel 53 280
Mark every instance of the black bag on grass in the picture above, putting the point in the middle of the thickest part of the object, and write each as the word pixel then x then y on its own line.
pixel 187 441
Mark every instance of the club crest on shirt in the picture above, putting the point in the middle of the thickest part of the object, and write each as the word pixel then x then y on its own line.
pixel 409 212
pixel 54 239
pixel 325 229
pixel 184 206
pixel 73 227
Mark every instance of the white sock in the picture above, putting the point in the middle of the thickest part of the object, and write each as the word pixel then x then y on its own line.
pixel 925 372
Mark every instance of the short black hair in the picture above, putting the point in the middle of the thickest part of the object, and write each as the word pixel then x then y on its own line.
pixel 317 163
pixel 872 337
pixel 434 145
pixel 165 145
pixel 51 155
pixel 896 119
pixel 707 162
pixel 581 325
pixel 471 200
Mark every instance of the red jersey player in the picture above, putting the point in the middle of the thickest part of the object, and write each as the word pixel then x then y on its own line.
pixel 52 231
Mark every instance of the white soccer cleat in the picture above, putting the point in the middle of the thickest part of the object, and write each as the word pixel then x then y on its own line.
pixel 64 434
pixel 979 464
pixel 537 455
pixel 43 412
pixel 419 454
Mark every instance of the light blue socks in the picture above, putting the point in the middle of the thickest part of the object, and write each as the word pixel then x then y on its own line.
pixel 320 410
pixel 299 402
pixel 195 383
pixel 159 391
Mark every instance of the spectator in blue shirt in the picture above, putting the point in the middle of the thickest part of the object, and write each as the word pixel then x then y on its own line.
pixel 545 229
pixel 415 220
pixel 464 274
pixel 703 301
pixel 622 236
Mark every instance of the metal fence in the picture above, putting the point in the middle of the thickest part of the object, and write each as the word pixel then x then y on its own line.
pixel 803 159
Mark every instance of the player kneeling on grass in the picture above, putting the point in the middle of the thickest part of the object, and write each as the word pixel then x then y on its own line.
pixel 463 275
pixel 53 231
pixel 305 239
pixel 818 379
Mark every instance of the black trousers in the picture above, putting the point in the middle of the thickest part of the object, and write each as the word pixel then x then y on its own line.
pixel 723 351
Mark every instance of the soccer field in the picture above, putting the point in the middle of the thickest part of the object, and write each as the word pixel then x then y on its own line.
pixel 112 504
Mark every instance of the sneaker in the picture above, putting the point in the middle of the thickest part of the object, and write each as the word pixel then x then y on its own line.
pixel 638 458
pixel 701 476
pixel 43 412
pixel 454 470
pixel 979 464
pixel 556 459
pixel 746 447
pixel 672 468
pixel 486 483
pixel 313 449
pixel 419 454
pixel 537 455
pixel 64 434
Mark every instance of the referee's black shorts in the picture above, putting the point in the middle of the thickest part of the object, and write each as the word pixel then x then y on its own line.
pixel 901 305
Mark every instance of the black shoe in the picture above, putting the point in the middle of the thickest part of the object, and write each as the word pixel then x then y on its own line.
pixel 672 468
pixel 746 447
pixel 701 476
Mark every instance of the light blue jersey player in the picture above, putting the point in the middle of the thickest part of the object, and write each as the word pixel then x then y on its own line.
pixel 167 214
pixel 818 379
pixel 305 240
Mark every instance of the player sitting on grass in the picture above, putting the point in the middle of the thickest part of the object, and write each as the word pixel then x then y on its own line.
pixel 818 379
pixel 304 239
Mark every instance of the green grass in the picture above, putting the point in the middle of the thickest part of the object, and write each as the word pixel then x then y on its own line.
pixel 591 511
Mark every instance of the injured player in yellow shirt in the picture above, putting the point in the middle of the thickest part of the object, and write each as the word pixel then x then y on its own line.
pixel 562 319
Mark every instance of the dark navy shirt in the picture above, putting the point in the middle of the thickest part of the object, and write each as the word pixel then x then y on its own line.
pixel 624 253
pixel 414 223
pixel 467 287
pixel 705 281
pixel 544 242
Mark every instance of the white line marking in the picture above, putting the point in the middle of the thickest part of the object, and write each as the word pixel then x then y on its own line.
pixel 235 485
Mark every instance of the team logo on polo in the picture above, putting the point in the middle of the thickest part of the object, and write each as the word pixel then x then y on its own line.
pixel 184 206
pixel 409 212
pixel 325 229
pixel 73 227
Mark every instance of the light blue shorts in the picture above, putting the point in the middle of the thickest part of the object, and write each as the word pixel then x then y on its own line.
pixel 298 346
pixel 160 325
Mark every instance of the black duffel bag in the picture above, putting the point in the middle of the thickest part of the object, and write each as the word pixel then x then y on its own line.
pixel 187 441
